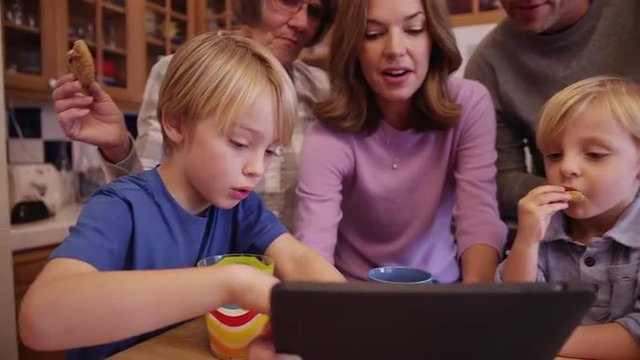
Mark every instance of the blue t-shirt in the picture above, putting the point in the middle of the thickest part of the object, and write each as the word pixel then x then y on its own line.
pixel 133 223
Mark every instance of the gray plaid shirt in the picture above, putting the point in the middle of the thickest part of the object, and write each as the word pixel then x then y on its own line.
pixel 278 186
pixel 610 263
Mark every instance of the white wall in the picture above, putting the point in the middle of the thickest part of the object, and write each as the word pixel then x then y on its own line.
pixel 468 37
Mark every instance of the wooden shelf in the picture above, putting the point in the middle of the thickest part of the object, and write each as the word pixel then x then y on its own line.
pixel 155 41
pixel 179 16
pixel 90 43
pixel 155 7
pixel 222 16
pixel 25 28
pixel 113 7
pixel 114 50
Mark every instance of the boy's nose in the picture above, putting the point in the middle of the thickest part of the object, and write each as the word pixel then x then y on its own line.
pixel 255 167
pixel 569 167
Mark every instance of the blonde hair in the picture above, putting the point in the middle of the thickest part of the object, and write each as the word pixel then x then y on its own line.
pixel 351 106
pixel 220 77
pixel 616 95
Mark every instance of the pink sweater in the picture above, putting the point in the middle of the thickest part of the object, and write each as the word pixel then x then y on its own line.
pixel 359 212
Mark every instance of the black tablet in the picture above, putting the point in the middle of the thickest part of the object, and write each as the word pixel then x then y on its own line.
pixel 370 320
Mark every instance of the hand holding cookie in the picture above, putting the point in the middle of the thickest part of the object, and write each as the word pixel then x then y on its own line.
pixel 81 63
pixel 536 209
pixel 91 116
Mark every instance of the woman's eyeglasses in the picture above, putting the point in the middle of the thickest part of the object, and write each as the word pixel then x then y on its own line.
pixel 315 11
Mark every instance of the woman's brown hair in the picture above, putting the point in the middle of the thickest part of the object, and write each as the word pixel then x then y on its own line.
pixel 249 12
pixel 351 106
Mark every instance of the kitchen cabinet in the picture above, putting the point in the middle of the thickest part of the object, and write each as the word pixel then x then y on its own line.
pixel 29 51
pixel 26 267
pixel 167 25
pixel 214 15
pixel 109 28
pixel 474 12
pixel 37 36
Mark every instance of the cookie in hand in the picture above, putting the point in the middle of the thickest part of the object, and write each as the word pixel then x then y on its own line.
pixel 81 63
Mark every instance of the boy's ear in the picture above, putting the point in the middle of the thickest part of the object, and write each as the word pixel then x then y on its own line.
pixel 173 128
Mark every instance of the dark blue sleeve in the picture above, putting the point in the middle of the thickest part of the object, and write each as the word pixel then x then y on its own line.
pixel 257 226
pixel 102 235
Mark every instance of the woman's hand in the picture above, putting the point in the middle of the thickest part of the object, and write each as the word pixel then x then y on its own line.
pixel 94 119
pixel 536 209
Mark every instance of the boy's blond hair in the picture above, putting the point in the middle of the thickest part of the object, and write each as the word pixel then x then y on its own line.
pixel 617 96
pixel 220 77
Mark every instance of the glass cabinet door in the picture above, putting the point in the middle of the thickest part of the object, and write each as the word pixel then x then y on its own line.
pixel 29 51
pixel 103 25
pixel 217 15
pixel 168 24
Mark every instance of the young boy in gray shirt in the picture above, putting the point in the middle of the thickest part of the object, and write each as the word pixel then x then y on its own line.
pixel 584 224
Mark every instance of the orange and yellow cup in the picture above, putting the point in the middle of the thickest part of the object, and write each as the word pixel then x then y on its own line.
pixel 231 328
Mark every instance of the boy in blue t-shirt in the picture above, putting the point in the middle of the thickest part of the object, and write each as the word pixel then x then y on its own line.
pixel 128 265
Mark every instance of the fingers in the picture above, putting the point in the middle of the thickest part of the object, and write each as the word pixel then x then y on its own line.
pixel 68 121
pixel 66 88
pixel 64 79
pixel 547 189
pixel 80 101
pixel 546 194
pixel 98 93
pixel 263 349
pixel 554 207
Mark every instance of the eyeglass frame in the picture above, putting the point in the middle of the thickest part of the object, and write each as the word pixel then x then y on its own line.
pixel 315 12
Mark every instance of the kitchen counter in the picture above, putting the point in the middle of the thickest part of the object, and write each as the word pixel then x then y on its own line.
pixel 44 232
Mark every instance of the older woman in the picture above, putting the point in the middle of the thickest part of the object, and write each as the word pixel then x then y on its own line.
pixel 285 27
pixel 401 149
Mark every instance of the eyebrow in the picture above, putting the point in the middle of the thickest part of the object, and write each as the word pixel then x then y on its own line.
pixel 239 127
pixel 407 18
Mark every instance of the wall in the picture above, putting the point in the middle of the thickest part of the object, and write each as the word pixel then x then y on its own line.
pixel 468 37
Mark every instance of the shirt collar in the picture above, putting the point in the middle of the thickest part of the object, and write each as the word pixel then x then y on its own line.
pixel 626 231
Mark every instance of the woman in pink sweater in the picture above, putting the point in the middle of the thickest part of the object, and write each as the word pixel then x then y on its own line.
pixel 401 150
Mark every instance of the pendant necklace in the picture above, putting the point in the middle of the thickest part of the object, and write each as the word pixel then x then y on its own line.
pixel 394 159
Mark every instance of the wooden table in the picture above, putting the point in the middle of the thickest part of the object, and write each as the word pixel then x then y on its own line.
pixel 187 341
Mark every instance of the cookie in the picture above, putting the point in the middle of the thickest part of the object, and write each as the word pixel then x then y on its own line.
pixel 576 196
pixel 81 63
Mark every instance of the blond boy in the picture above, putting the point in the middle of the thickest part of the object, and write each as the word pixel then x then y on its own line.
pixel 128 265
pixel 589 134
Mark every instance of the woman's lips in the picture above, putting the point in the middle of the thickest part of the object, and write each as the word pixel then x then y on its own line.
pixel 395 75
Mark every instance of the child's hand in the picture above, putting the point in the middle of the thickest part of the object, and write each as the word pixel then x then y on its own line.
pixel 535 211
pixel 263 349
pixel 250 287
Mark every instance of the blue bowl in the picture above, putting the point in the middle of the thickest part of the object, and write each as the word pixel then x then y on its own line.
pixel 400 275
